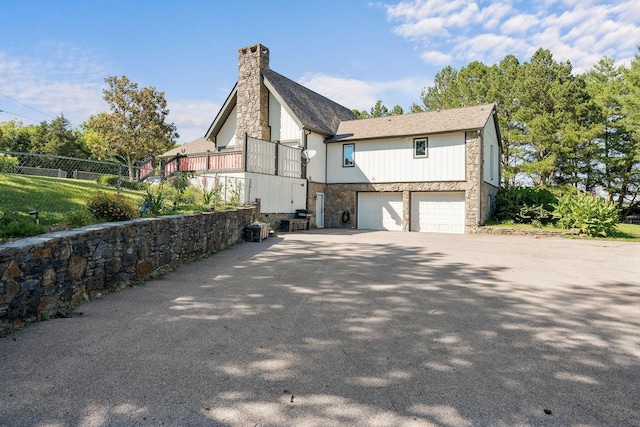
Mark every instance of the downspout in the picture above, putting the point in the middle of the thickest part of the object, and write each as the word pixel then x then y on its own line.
pixel 305 146
pixel 480 174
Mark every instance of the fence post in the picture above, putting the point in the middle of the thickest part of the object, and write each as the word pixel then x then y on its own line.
pixel 119 177
pixel 245 151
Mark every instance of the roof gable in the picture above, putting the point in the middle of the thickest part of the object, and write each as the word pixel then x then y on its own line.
pixel 312 110
pixel 223 114
pixel 429 122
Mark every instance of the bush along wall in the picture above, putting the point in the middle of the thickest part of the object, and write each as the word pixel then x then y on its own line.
pixel 49 275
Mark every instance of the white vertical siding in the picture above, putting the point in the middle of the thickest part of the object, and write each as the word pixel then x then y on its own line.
pixel 226 138
pixel 393 161
pixel 491 157
pixel 275 192
pixel 283 127
pixel 316 167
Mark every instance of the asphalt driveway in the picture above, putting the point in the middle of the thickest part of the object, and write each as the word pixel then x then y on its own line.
pixel 348 328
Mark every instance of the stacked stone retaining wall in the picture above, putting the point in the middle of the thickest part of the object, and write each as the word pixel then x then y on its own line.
pixel 48 275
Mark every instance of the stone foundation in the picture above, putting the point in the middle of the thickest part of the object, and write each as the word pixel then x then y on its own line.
pixel 343 197
pixel 50 274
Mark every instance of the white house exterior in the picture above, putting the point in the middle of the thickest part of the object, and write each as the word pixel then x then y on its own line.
pixel 437 171
pixel 434 171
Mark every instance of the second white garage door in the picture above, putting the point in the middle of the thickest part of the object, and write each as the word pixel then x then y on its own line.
pixel 380 211
pixel 438 212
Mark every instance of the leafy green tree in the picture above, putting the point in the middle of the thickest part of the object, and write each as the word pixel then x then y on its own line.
pixel 379 110
pixel 16 137
pixel 551 103
pixel 57 137
pixel 396 111
pixel 606 86
pixel 415 108
pixel 136 127
pixel 360 114
pixel 444 92
pixel 629 164
pixel 501 90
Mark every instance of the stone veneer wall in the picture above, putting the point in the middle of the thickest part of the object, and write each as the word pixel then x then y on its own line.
pixel 342 197
pixel 474 177
pixel 43 275
pixel 488 195
pixel 253 96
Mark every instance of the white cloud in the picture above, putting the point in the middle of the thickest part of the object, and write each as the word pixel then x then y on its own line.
pixel 67 80
pixel 519 24
pixel 436 58
pixel 460 31
pixel 362 95
pixel 192 118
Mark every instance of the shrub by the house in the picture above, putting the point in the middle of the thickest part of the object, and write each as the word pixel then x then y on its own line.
pixel 591 215
pixel 525 205
pixel 111 207
pixel 7 163
pixel 17 224
pixel 124 183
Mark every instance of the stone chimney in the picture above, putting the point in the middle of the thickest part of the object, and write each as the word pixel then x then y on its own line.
pixel 253 96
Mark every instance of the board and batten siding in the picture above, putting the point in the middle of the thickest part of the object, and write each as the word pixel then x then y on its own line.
pixel 393 160
pixel 315 167
pixel 277 194
pixel 491 147
pixel 283 127
pixel 226 138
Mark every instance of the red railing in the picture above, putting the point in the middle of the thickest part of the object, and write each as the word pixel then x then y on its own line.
pixel 262 157
pixel 231 161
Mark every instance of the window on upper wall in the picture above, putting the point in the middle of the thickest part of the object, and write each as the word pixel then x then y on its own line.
pixel 420 147
pixel 347 155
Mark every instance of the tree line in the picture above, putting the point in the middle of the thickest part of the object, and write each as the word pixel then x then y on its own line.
pixel 557 128
pixel 135 129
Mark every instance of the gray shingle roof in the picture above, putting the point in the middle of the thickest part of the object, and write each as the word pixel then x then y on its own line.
pixel 314 111
pixel 430 122
pixel 200 145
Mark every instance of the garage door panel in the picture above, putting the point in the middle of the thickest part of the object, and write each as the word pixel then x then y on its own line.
pixel 436 212
pixel 380 211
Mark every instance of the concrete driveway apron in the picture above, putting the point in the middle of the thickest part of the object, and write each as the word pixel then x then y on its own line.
pixel 344 327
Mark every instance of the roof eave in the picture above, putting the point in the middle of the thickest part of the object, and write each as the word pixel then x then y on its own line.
pixel 224 113
pixel 353 137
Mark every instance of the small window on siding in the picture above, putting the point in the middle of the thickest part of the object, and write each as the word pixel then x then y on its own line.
pixel 347 155
pixel 420 147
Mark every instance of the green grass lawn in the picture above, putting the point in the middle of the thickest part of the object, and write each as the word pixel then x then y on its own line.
pixel 624 232
pixel 628 232
pixel 51 197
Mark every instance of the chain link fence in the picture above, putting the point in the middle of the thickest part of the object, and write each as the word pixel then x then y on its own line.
pixel 50 165
pixel 46 170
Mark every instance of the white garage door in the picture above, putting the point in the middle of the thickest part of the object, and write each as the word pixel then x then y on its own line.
pixel 380 211
pixel 438 212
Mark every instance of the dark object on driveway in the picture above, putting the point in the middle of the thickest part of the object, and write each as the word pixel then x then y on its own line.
pixel 256 232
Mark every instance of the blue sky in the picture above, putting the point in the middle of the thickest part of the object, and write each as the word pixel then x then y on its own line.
pixel 54 55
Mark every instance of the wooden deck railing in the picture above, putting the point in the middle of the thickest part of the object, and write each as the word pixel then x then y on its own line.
pixel 203 162
pixel 264 157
